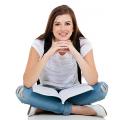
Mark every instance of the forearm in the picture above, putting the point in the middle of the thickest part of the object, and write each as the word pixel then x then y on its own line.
pixel 31 77
pixel 89 73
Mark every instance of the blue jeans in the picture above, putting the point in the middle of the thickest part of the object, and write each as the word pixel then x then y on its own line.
pixel 53 104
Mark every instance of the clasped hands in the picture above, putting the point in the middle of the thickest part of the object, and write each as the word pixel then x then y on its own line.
pixel 63 46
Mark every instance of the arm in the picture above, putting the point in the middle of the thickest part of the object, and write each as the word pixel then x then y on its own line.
pixel 34 67
pixel 86 64
pixel 37 62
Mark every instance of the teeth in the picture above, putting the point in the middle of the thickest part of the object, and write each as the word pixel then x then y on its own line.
pixel 63 34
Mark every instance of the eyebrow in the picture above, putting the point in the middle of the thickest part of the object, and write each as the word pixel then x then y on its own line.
pixel 65 21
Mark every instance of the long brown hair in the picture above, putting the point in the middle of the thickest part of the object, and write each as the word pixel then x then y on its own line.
pixel 60 10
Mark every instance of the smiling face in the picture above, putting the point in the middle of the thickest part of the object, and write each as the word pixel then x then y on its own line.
pixel 62 27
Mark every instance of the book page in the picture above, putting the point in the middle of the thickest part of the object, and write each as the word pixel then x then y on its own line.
pixel 45 90
pixel 73 91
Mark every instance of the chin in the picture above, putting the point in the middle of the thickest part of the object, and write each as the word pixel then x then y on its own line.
pixel 63 38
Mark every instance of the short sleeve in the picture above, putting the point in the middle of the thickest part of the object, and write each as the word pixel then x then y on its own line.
pixel 38 45
pixel 85 46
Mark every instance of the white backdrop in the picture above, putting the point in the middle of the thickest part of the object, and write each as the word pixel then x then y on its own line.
pixel 21 21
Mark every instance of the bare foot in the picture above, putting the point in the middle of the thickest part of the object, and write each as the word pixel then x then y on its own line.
pixel 83 110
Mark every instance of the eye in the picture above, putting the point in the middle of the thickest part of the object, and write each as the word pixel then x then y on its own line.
pixel 67 23
pixel 57 24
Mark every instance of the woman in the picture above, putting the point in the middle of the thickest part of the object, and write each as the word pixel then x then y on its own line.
pixel 53 59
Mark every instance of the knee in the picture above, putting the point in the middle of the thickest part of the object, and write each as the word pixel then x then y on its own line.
pixel 23 93
pixel 19 91
pixel 102 89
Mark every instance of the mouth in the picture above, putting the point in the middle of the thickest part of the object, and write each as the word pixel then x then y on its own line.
pixel 63 34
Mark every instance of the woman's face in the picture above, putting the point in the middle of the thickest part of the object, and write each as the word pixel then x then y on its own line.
pixel 62 27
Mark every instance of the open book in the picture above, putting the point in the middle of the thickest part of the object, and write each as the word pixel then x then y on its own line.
pixel 63 94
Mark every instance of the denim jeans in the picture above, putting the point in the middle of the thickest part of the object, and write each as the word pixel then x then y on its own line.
pixel 53 104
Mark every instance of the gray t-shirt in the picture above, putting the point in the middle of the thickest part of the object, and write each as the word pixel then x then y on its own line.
pixel 60 71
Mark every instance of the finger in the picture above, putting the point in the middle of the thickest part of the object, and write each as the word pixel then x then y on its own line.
pixel 62 44
pixel 59 42
pixel 62 48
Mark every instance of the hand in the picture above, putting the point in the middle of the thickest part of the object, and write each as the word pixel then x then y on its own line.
pixel 62 47
pixel 58 46
pixel 70 47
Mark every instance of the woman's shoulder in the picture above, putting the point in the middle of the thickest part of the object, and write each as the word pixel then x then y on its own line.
pixel 38 45
pixel 38 42
pixel 83 41
pixel 85 46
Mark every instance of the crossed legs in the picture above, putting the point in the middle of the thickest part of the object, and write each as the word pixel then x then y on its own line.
pixel 74 105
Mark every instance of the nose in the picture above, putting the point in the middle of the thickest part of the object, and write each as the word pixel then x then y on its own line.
pixel 62 27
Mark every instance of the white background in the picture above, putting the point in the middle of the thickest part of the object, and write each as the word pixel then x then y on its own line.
pixel 21 21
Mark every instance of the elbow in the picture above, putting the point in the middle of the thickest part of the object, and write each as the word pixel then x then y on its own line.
pixel 27 85
pixel 94 80
pixel 26 82
pixel 93 83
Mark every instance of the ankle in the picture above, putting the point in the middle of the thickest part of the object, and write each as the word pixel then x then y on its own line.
pixel 82 110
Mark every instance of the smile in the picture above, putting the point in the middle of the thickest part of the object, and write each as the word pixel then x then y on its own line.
pixel 63 34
